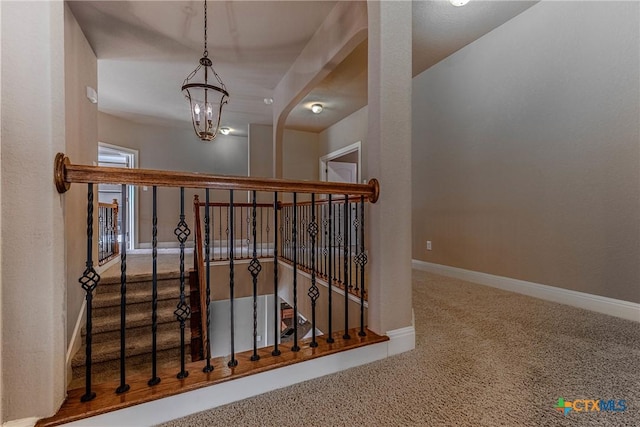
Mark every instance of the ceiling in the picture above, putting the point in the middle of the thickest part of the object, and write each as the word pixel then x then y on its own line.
pixel 145 50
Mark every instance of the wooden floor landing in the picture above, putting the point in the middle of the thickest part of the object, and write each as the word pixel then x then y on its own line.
pixel 107 400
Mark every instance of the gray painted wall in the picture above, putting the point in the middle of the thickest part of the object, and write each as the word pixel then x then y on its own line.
pixel 171 148
pixel 526 151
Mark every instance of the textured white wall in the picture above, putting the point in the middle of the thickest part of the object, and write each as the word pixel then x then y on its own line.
pixel 33 246
pixel 526 151
pixel 81 136
pixel 300 156
pixel 389 160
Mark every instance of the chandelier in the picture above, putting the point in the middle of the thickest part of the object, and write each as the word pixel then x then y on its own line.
pixel 206 94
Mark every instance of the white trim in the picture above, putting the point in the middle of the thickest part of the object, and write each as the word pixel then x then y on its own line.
pixel 76 340
pixel 612 307
pixel 163 410
pixel 356 146
pixel 24 422
pixel 401 340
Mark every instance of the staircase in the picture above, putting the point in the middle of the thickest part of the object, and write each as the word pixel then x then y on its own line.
pixel 106 328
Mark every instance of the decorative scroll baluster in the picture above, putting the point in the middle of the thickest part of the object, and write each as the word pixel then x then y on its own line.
pixel 361 261
pixel 207 237
pixel 233 362
pixel 89 281
pixel 183 310
pixel 294 237
pixel 154 299
pixel 276 308
pixel 123 293
pixel 227 230
pixel 330 272
pixel 347 225
pixel 254 269
pixel 313 291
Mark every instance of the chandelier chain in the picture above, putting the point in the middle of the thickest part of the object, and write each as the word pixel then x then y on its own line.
pixel 206 53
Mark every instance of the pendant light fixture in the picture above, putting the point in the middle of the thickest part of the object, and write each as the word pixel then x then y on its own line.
pixel 206 94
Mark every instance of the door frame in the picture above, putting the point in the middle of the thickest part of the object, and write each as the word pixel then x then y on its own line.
pixel 132 206
pixel 355 147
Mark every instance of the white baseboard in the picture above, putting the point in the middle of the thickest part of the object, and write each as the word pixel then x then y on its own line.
pixel 163 410
pixel 76 340
pixel 613 307
pixel 401 340
pixel 24 422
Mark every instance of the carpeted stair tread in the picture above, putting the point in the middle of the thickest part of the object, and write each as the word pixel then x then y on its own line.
pixel 135 296
pixel 142 277
pixel 133 333
pixel 110 350
pixel 134 319
pixel 109 370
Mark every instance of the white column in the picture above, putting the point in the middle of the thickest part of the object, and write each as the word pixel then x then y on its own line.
pixel 389 160
pixel 33 247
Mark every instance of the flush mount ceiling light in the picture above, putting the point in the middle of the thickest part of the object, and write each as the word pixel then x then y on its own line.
pixel 225 131
pixel 317 108
pixel 268 101
pixel 458 3
pixel 206 94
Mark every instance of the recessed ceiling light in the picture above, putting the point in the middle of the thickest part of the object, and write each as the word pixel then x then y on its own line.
pixel 458 3
pixel 317 108
pixel 225 131
pixel 268 101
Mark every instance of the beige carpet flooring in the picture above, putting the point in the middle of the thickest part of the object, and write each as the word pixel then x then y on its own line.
pixel 483 357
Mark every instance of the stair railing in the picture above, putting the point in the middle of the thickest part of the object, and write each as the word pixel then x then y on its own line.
pixel 66 174
pixel 108 246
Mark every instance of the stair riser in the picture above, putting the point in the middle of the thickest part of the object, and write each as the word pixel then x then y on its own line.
pixel 143 307
pixel 111 368
pixel 142 285
pixel 132 333
pixel 164 316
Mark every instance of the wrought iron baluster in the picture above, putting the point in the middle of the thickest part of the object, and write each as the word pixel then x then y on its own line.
pixel 340 241
pixel 254 269
pixel 331 270
pixel 347 225
pixel 350 281
pixel 302 248
pixel 248 232
pixel 294 237
pixel 207 237
pixel 220 233
pixel 233 362
pixel 276 308
pixel 123 293
pixel 261 233
pixel 154 299
pixel 361 260
pixel 227 231
pixel 313 293
pixel 89 281
pixel 356 226
pixel 183 310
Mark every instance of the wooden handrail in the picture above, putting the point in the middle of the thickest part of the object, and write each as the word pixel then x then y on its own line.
pixel 66 173
pixel 334 201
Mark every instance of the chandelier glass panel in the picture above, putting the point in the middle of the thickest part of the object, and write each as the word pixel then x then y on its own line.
pixel 206 94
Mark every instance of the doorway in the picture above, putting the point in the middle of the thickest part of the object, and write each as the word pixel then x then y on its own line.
pixel 119 157
pixel 342 165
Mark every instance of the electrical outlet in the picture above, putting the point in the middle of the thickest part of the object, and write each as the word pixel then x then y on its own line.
pixel 428 245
